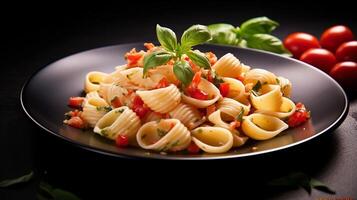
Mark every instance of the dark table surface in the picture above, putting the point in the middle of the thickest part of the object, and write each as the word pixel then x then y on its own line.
pixel 41 36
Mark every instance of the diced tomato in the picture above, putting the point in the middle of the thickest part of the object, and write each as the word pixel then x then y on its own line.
pixel 122 141
pixel 193 148
pixel 74 113
pixel 209 76
pixel 196 79
pixel 210 109
pixel 149 46
pixel 115 102
pixel 163 83
pixel 172 125
pixel 224 89
pixel 194 67
pixel 139 107
pixel 75 101
pixel 133 57
pixel 76 122
pixel 299 116
pixel 211 57
pixel 197 93
pixel 235 124
pixel 240 78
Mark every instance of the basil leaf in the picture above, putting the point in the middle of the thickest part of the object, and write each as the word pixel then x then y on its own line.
pixel 240 115
pixel 258 25
pixel 223 34
pixel 199 59
pixel 268 43
pixel 166 37
pixel 321 186
pixel 196 34
pixel 155 59
pixel 183 72
pixel 21 179
pixel 46 191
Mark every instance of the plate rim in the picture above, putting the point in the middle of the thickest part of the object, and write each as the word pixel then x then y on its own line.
pixel 331 127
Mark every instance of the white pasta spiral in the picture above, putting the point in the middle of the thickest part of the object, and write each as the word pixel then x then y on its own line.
pixel 93 110
pixel 93 79
pixel 230 108
pixel 285 86
pixel 161 100
pixel 177 138
pixel 212 139
pixel 229 66
pixel 262 75
pixel 188 115
pixel 111 91
pixel 207 87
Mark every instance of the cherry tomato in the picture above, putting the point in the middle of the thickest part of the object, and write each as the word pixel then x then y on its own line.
pixel 345 73
pixel 298 43
pixel 299 116
pixel 333 37
pixel 163 83
pixel 224 89
pixel 122 141
pixel 75 101
pixel 320 58
pixel 347 51
pixel 76 122
pixel 193 148
pixel 197 93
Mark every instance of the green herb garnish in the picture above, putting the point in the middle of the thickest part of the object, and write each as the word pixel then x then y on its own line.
pixel 277 80
pixel 173 50
pixel 240 115
pixel 253 33
pixel 256 88
pixel 14 181
pixel 104 108
pixel 161 133
pixel 119 111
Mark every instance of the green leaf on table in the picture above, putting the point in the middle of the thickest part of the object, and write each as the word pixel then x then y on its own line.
pixel 155 59
pixel 166 37
pixel 195 35
pixel 14 181
pixel 199 59
pixel 223 34
pixel 268 43
pixel 47 192
pixel 258 25
pixel 299 179
pixel 183 72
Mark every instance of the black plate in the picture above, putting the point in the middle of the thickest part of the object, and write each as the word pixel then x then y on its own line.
pixel 44 98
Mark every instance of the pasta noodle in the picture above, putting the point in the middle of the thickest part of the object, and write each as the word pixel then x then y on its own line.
pixel 230 66
pixel 119 121
pixel 178 105
pixel 166 135
pixel 262 127
pixel 207 87
pixel 161 100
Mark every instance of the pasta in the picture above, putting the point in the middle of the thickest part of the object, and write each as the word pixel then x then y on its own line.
pixel 218 108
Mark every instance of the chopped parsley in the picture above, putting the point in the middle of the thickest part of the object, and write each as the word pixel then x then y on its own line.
pixel 161 133
pixel 143 136
pixel 104 108
pixel 95 82
pixel 277 81
pixel 216 79
pixel 199 131
pixel 256 88
pixel 240 115
pixel 104 132
pixel 119 111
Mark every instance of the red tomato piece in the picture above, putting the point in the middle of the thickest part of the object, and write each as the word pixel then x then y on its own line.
pixel 122 141
pixel 298 43
pixel 163 83
pixel 76 122
pixel 75 101
pixel 115 102
pixel 347 51
pixel 224 89
pixel 320 58
pixel 197 93
pixel 196 79
pixel 345 73
pixel 193 148
pixel 333 37
pixel 300 116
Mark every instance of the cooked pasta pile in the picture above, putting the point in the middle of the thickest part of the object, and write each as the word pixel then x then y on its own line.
pixel 220 109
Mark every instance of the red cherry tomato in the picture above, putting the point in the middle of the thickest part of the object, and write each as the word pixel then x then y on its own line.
pixel 299 116
pixel 345 73
pixel 76 122
pixel 197 93
pixel 75 101
pixel 224 89
pixel 122 141
pixel 347 51
pixel 193 148
pixel 320 58
pixel 298 43
pixel 333 37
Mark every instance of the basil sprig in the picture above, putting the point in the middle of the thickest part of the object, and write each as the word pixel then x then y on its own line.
pixel 173 50
pixel 253 33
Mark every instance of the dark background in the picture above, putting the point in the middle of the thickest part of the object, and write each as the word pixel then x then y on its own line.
pixel 36 35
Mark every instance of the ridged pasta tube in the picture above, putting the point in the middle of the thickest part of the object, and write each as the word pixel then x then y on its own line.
pixel 188 115
pixel 229 66
pixel 93 79
pixel 207 87
pixel 153 135
pixel 231 108
pixel 161 100
pixel 262 75
pixel 93 110
pixel 212 139
pixel 111 91
pixel 119 121
pixel 285 86
pixel 262 127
